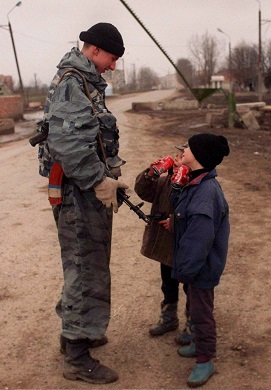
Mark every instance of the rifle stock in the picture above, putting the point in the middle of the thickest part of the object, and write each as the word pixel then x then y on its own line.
pixel 43 130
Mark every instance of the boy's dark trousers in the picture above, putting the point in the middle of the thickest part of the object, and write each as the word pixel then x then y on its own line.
pixel 170 287
pixel 201 305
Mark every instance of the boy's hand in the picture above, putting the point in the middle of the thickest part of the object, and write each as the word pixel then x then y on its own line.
pixel 181 177
pixel 165 223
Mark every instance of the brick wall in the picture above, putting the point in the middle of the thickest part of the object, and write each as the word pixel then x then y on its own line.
pixel 11 107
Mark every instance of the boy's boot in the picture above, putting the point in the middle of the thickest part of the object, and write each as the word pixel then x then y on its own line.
pixel 185 337
pixel 78 364
pixel 91 343
pixel 168 320
pixel 188 350
pixel 200 374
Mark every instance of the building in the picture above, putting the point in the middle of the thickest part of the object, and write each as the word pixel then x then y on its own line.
pixel 7 81
pixel 115 81
pixel 170 81
pixel 218 81
pixel 11 105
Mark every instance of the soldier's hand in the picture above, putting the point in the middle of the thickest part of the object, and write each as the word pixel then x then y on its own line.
pixel 106 192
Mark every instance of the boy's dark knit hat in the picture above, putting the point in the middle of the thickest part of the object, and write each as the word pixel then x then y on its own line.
pixel 105 36
pixel 209 149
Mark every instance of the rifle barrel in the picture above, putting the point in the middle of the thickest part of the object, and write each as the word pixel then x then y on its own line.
pixel 134 208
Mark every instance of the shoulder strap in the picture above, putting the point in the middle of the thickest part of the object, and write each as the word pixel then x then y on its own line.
pixel 73 70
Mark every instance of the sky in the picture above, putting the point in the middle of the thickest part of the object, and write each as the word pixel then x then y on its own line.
pixel 44 30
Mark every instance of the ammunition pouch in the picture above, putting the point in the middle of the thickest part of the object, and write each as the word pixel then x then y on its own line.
pixel 110 140
pixel 110 133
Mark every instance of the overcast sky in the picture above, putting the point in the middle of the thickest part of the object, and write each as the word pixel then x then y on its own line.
pixel 44 30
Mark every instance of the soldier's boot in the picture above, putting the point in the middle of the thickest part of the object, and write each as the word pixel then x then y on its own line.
pixel 91 343
pixel 168 320
pixel 185 337
pixel 78 364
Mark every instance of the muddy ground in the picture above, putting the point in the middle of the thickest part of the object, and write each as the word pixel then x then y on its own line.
pixel 31 277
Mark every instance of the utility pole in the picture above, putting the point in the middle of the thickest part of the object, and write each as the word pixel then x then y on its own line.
pixel 77 43
pixel 260 81
pixel 231 100
pixel 123 72
pixel 15 54
pixel 134 76
pixel 36 83
pixel 17 64
pixel 8 27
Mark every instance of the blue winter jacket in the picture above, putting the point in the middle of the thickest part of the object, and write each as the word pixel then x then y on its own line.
pixel 201 228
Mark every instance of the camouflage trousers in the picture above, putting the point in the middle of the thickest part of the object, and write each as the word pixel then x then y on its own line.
pixel 84 232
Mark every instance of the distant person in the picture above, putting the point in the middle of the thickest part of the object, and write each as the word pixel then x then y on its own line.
pixel 157 243
pixel 201 229
pixel 84 217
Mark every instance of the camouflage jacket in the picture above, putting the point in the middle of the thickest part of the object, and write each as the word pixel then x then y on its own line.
pixel 73 127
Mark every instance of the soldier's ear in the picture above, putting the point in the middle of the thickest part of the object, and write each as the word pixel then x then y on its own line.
pixel 96 50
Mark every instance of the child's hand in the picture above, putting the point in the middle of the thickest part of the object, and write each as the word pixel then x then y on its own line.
pixel 155 162
pixel 162 165
pixel 151 171
pixel 180 178
pixel 165 223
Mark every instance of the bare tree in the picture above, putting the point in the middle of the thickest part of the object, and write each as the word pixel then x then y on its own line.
pixel 267 65
pixel 147 79
pixel 186 68
pixel 205 53
pixel 267 56
pixel 245 65
pixel 267 79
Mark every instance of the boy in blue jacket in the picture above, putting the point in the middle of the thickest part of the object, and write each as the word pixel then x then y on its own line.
pixel 201 229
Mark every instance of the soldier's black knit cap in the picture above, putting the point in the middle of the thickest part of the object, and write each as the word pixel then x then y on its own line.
pixel 209 149
pixel 105 36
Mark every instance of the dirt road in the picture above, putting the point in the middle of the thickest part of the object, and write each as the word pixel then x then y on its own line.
pixel 31 275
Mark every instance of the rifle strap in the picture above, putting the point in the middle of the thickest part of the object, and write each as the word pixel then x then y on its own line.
pixel 56 174
pixel 73 70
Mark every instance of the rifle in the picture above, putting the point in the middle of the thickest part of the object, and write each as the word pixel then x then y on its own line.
pixel 43 130
pixel 56 174
pixel 55 189
pixel 122 197
pixel 157 216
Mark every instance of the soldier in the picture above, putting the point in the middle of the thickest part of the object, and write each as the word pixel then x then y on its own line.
pixel 84 217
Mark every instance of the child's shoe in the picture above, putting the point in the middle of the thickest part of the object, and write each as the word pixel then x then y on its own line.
pixel 183 338
pixel 200 374
pixel 188 351
pixel 168 320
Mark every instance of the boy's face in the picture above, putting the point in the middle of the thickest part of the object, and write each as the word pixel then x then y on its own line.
pixel 189 159
pixel 178 160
